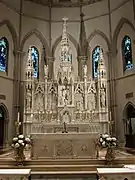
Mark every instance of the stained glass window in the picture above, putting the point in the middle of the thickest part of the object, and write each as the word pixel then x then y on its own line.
pixel 127 53
pixel 95 60
pixel 4 47
pixel 35 58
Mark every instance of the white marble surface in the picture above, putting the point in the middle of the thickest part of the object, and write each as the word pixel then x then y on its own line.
pixel 114 170
pixel 16 172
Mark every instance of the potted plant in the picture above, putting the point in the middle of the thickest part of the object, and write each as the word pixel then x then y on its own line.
pixel 18 144
pixel 109 142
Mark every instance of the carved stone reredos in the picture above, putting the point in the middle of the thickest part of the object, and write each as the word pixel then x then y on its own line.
pixel 82 103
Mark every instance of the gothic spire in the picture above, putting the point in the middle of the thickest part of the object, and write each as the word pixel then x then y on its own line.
pixel 82 39
pixel 65 48
pixel 29 64
pixel 101 66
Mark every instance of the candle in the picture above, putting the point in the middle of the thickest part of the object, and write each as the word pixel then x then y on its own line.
pixel 110 116
pixel 18 117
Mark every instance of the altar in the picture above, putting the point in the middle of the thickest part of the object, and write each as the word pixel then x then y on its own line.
pixel 79 102
pixel 64 145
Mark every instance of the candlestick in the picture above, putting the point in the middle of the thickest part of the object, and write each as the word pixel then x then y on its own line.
pixel 18 123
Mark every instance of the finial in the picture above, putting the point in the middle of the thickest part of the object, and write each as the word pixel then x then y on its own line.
pixel 101 54
pixel 65 25
pixel 65 19
pixel 29 52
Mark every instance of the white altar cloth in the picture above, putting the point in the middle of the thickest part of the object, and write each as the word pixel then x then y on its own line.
pixel 15 172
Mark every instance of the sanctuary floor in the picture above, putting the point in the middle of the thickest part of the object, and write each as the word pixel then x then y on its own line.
pixel 119 153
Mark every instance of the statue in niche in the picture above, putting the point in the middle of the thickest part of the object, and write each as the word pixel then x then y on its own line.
pixel 49 102
pixel 61 98
pixel 91 101
pixel 103 97
pixel 53 102
pixel 40 101
pixel 28 99
pixel 69 71
pixel 85 70
pixel 66 95
pixel 46 70
pixel 79 104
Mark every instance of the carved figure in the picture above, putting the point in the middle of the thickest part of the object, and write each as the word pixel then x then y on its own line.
pixel 46 70
pixel 85 70
pixel 28 99
pixel 103 97
pixel 65 93
pixel 91 101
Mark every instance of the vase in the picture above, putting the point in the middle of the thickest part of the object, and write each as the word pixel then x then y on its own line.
pixel 110 156
pixel 19 155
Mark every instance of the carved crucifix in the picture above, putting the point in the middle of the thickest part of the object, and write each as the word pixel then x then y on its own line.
pixel 18 124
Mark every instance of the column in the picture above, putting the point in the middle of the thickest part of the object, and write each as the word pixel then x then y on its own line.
pixel 85 91
pixel 50 65
pixel 112 85
pixel 17 87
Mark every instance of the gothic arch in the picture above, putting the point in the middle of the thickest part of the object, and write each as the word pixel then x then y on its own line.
pixel 118 29
pixel 71 38
pixel 12 31
pixel 125 109
pixel 39 35
pixel 2 105
pixel 4 126
pixel 100 33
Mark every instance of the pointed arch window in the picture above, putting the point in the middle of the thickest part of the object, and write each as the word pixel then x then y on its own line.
pixel 35 58
pixel 4 50
pixel 95 60
pixel 127 53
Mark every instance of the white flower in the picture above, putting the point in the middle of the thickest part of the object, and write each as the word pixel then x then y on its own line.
pixel 103 143
pixel 106 135
pixel 109 139
pixel 27 145
pixel 20 141
pixel 15 139
pixel 17 145
pixel 22 144
pixel 103 136
pixel 101 140
pixel 21 136
pixel 27 139
pixel 113 138
pixel 13 145
pixel 114 143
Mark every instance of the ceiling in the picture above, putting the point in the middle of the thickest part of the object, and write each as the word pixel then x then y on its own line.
pixel 64 3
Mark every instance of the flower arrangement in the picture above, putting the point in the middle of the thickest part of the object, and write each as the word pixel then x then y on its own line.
pixel 107 141
pixel 20 141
